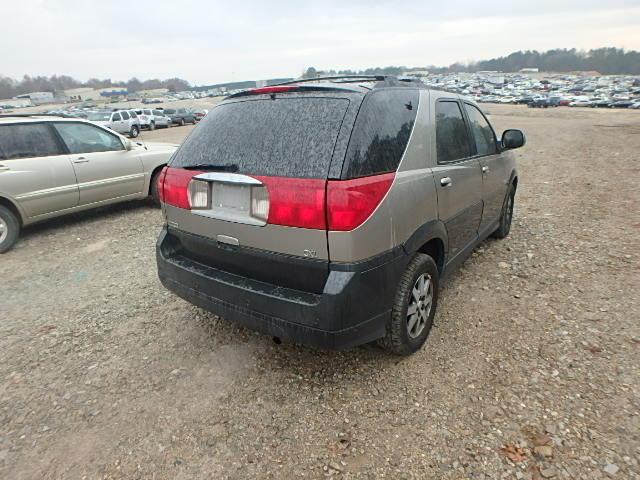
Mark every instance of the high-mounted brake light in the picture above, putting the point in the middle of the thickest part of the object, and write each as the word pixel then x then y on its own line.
pixel 351 202
pixel 274 89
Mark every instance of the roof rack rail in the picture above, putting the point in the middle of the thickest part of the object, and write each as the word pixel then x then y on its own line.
pixel 345 78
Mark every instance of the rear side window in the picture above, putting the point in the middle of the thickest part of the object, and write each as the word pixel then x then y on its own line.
pixel 381 132
pixel 125 115
pixel 452 140
pixel 134 115
pixel 83 138
pixel 285 137
pixel 116 117
pixel 27 140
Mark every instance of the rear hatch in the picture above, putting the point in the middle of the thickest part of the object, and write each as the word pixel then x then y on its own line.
pixel 246 192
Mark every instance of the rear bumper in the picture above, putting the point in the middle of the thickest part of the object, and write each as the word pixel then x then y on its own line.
pixel 352 309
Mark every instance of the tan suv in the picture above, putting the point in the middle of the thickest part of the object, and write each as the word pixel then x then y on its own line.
pixel 51 166
pixel 327 211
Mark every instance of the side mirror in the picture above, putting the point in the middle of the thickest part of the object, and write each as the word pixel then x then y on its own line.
pixel 513 138
pixel 128 144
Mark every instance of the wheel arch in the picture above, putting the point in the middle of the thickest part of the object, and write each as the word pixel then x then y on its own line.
pixel 5 202
pixel 431 239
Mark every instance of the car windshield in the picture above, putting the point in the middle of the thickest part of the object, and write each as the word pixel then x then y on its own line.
pixel 99 116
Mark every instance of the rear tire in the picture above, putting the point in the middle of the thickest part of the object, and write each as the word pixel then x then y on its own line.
pixel 414 307
pixel 152 126
pixel 507 215
pixel 134 132
pixel 182 122
pixel 9 229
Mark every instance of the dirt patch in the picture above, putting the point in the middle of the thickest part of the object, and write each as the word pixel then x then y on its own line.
pixel 104 374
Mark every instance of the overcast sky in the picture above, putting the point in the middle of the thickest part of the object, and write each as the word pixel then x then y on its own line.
pixel 211 41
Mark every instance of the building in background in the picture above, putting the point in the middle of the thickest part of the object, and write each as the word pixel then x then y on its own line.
pixel 37 98
pixel 114 92
pixel 81 94
pixel 16 103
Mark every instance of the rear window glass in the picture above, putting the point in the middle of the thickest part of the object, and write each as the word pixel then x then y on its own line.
pixel 27 140
pixel 381 132
pixel 286 137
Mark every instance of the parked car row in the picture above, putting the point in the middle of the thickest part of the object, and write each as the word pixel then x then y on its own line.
pixel 613 91
pixel 131 121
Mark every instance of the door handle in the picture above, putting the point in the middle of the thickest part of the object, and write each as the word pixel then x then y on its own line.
pixel 485 169
pixel 4 167
pixel 446 181
pixel 81 160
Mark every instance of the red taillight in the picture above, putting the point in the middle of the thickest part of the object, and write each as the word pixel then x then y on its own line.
pixel 160 181
pixel 310 203
pixel 274 89
pixel 296 202
pixel 351 202
pixel 174 187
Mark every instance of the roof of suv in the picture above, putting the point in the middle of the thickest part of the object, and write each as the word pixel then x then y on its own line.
pixel 343 83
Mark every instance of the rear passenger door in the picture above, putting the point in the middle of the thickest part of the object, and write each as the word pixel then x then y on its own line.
pixel 35 169
pixel 457 175
pixel 495 174
pixel 104 168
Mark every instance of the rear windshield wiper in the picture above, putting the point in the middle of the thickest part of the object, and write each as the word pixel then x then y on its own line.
pixel 212 168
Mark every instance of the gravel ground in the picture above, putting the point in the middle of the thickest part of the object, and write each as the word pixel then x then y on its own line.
pixel 531 370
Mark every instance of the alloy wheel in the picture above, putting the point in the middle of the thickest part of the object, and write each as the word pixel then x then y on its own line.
pixel 4 230
pixel 420 303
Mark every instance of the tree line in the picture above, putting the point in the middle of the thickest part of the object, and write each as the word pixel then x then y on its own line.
pixel 57 83
pixel 608 61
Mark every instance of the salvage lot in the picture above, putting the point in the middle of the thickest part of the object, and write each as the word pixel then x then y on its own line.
pixel 532 367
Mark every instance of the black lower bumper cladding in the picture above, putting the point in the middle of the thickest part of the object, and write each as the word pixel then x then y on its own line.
pixel 353 308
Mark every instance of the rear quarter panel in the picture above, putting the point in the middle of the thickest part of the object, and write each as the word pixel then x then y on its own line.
pixel 410 203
